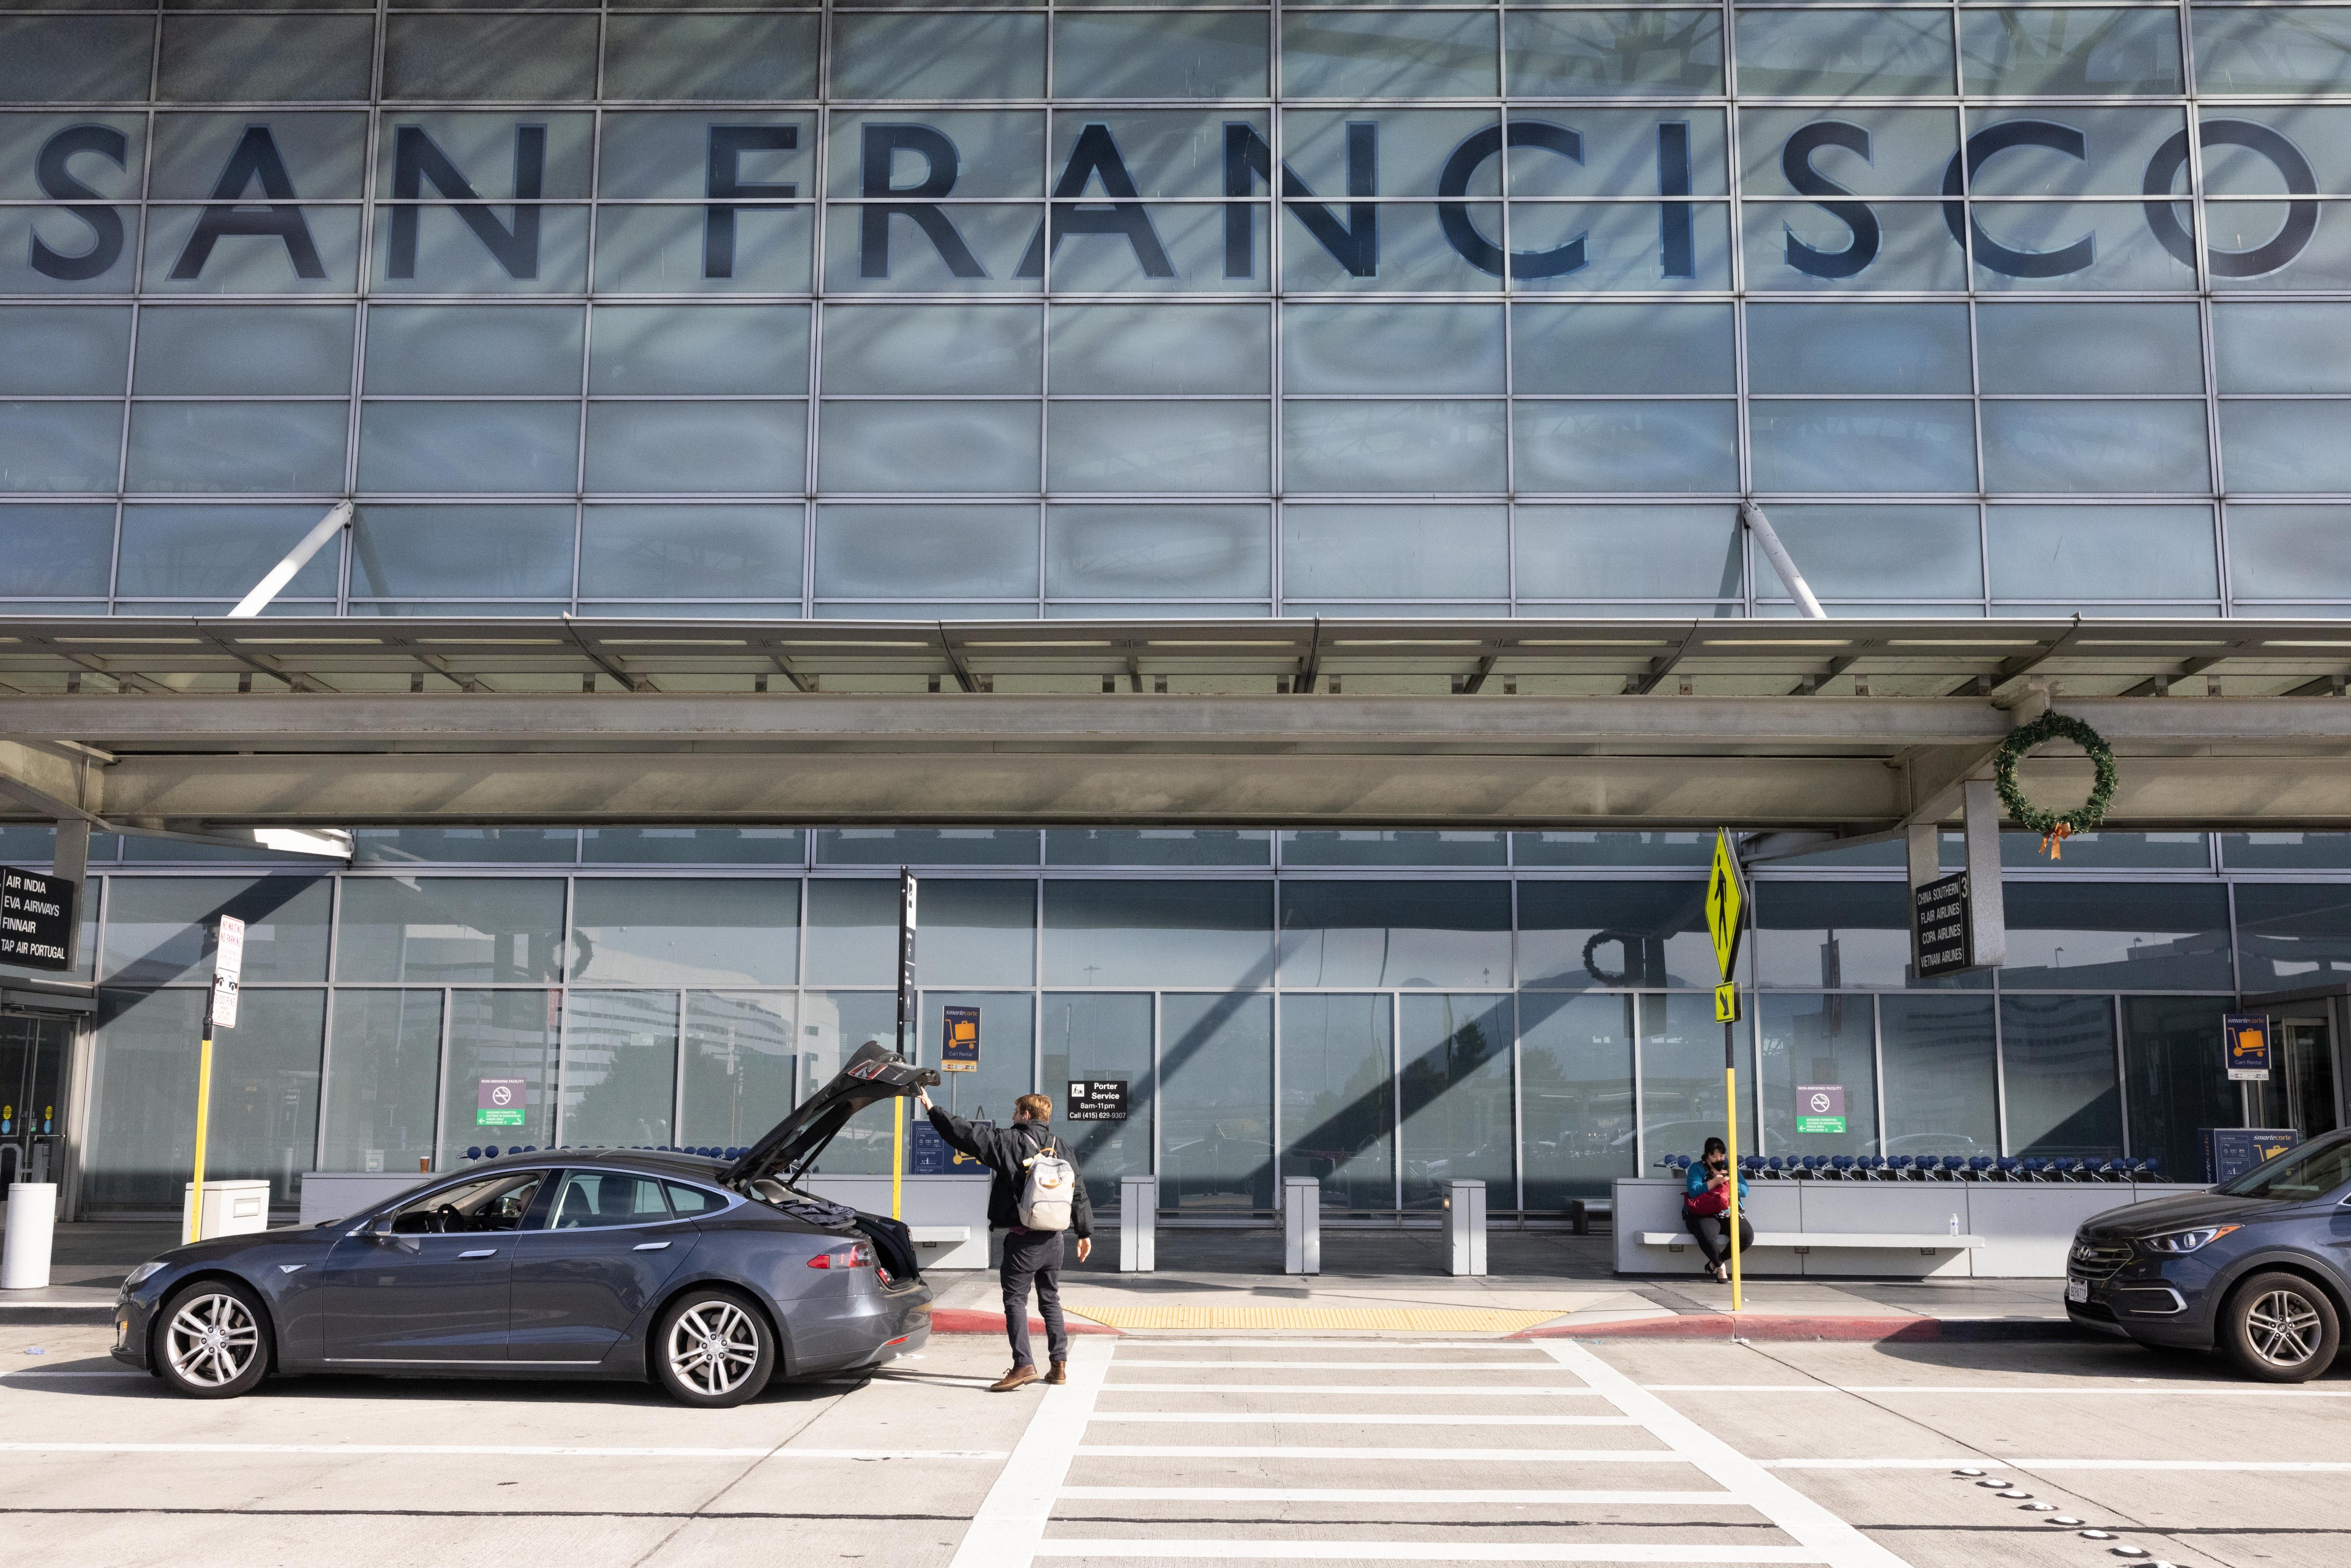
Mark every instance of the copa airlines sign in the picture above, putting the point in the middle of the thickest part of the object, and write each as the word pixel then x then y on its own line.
pixel 908 170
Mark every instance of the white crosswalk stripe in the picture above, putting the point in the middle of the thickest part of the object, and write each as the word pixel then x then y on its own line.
pixel 1034 1512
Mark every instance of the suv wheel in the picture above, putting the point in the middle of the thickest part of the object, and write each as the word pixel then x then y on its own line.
pixel 2280 1328
pixel 212 1342
pixel 712 1348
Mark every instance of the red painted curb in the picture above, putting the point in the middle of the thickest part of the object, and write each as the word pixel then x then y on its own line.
pixel 966 1320
pixel 1772 1326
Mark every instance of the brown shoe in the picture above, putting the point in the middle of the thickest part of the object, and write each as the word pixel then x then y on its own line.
pixel 1060 1373
pixel 1019 1377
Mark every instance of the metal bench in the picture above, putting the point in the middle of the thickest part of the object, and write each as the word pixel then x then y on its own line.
pixel 1582 1211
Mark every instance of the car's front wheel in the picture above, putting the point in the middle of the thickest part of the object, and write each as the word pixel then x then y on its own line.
pixel 2280 1328
pixel 713 1348
pixel 213 1343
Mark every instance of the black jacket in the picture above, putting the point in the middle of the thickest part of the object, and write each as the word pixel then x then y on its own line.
pixel 1002 1150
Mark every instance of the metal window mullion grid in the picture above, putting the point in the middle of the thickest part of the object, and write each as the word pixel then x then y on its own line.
pixel 557 1079
pixel 2199 231
pixel 1742 444
pixel 327 1029
pixel 820 237
pixel 1999 1067
pixel 2122 1077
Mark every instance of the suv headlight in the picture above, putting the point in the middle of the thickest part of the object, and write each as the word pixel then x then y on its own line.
pixel 2186 1241
pixel 143 1272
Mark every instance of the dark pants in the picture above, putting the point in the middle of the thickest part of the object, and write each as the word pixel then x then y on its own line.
pixel 1713 1233
pixel 1033 1257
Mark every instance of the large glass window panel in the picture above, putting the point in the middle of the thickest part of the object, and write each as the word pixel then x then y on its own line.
pixel 2101 552
pixel 2280 447
pixel 1681 1079
pixel 1628 552
pixel 1392 846
pixel 475 349
pixel 895 552
pixel 1158 934
pixel 650 249
pixel 1809 1041
pixel 651 156
pixel 2120 348
pixel 938 57
pixel 74 59
pixel 1621 350
pixel 853 935
pixel 1123 447
pixel 1845 54
pixel 1008 1046
pixel 2057 1057
pixel 265 58
pixel 1412 151
pixel 1614 54
pixel 323 156
pixel 1941 1089
pixel 1100 1035
pixel 51 551
pixel 1394 552
pixel 2187 852
pixel 2115 147
pixel 1606 849
pixel 187 447
pixel 1157 846
pixel 383 1072
pixel 143 1078
pixel 453 551
pixel 494 1035
pixel 1627 447
pixel 65 350
pixel 1878 552
pixel 1423 349
pixel 464 846
pixel 1823 445
pixel 1216 1073
pixel 1575 935
pixel 927 846
pixel 2262 51
pixel 2139 936
pixel 738 1069
pixel 690 552
pixel 1867 150
pixel 915 447
pixel 2279 348
pixel 2291 937
pixel 833 1025
pixel 2174 1081
pixel 1393 445
pixel 1388 54
pixel 1176 350
pixel 700 447
pixel 712 932
pixel 1823 935
pixel 975 933
pixel 2285 852
pixel 1888 246
pixel 2073 52
pixel 264 1104
pixel 691 846
pixel 2094 448
pixel 620 1068
pixel 486 147
pixel 162 929
pixel 1849 348
pixel 451 930
pixel 1575 1087
pixel 2287 553
pixel 1161 54
pixel 543 59
pixel 465 448
pixel 237 350
pixel 550 257
pixel 1414 253
pixel 2114 250
pixel 1624 246
pixel 1157 553
pixel 1338 1097
pixel 1416 933
pixel 932 349
pixel 722 56
pixel 1455 1093
pixel 199 552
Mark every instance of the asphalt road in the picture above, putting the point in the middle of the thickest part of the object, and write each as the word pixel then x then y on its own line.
pixel 1171 1448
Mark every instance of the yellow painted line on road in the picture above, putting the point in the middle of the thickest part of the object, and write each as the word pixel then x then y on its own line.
pixel 1423 1320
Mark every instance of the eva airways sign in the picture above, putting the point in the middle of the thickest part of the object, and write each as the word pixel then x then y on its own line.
pixel 907 172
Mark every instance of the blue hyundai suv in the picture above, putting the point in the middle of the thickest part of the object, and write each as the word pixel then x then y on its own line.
pixel 2259 1267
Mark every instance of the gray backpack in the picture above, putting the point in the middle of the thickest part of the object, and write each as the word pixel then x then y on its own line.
pixel 1050 1190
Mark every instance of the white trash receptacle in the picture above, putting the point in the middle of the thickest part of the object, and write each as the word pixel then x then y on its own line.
pixel 1465 1222
pixel 32 1232
pixel 230 1208
pixel 1301 1225
pixel 1138 1219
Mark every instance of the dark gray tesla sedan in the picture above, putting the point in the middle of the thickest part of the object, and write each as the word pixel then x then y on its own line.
pixel 2259 1267
pixel 708 1276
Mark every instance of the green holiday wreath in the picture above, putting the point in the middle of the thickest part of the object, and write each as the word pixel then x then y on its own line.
pixel 2055 827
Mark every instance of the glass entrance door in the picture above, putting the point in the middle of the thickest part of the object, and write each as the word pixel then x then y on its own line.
pixel 2306 1079
pixel 33 1051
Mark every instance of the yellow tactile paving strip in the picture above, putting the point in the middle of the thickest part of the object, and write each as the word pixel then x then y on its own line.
pixel 1454 1320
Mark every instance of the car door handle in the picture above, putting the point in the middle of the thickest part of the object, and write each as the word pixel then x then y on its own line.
pixel 650 1245
pixel 478 1252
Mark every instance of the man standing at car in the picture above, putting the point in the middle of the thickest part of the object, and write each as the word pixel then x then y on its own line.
pixel 1030 1256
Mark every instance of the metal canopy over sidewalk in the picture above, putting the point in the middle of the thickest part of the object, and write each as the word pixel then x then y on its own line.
pixel 1853 727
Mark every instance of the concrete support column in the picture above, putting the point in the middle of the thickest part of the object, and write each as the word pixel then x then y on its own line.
pixel 72 865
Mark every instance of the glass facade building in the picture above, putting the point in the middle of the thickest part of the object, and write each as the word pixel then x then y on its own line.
pixel 697 306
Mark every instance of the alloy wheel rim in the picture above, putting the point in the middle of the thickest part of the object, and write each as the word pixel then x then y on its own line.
pixel 714 1347
pixel 2283 1327
pixel 212 1339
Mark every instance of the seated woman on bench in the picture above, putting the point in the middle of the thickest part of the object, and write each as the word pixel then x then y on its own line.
pixel 1706 1209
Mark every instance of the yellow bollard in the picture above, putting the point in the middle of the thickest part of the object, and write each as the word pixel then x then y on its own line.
pixel 897 1152
pixel 1730 1104
pixel 195 1225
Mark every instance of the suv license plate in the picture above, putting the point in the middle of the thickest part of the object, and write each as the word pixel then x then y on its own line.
pixel 2077 1290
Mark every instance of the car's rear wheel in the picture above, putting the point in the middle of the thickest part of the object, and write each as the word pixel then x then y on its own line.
pixel 713 1348
pixel 213 1342
pixel 2280 1328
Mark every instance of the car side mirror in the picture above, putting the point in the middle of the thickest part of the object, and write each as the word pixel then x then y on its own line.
pixel 381 1231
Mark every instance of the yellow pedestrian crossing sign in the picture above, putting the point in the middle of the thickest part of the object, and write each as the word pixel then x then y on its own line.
pixel 1726 904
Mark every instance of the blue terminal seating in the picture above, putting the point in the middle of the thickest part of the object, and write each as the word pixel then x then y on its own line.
pixel 1842 1166
pixel 1897 1167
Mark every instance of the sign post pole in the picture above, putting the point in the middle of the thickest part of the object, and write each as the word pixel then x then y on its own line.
pixel 900 1108
pixel 1726 904
pixel 220 1011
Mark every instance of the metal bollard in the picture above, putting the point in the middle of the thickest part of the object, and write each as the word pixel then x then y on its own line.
pixel 1138 1217
pixel 32 1230
pixel 1301 1225
pixel 1464 1223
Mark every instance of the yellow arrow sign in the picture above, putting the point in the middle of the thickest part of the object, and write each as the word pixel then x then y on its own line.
pixel 1726 904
